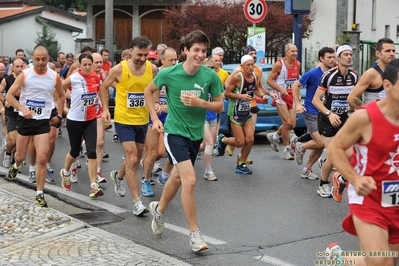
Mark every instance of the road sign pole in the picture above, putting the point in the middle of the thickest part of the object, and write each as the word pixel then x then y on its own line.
pixel 297 26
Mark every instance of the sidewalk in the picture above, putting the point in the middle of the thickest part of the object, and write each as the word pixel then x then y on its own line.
pixel 31 235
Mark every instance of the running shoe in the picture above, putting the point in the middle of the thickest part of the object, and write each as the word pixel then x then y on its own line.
pixel 59 133
pixel 287 155
pixel 158 220
pixel 299 153
pixel 146 189
pixel 3 146
pixel 307 173
pixel 143 180
pixel 221 147
pixel 247 161
pixel 337 187
pixel 100 178
pixel 32 176
pixel 83 150
pixel 156 168
pixel 49 176
pixel 119 183
pixel 243 169
pixel 115 138
pixel 161 180
pixel 139 208
pixel 40 200
pixel 230 150
pixel 321 161
pixel 7 160
pixel 324 191
pixel 96 191
pixel 333 252
pixel 74 175
pixel 214 151
pixel 50 169
pixel 273 143
pixel 197 241
pixel 293 141
pixel 78 165
pixel 105 155
pixel 210 176
pixel 12 173
pixel 65 181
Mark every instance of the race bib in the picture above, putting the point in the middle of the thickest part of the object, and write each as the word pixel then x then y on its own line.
pixel 390 194
pixel 288 84
pixel 36 107
pixel 244 106
pixel 135 100
pixel 88 99
pixel 210 99
pixel 339 107
pixel 162 100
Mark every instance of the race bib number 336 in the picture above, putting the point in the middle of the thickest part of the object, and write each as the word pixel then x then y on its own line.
pixel 135 100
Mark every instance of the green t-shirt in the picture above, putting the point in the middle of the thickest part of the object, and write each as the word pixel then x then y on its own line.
pixel 187 121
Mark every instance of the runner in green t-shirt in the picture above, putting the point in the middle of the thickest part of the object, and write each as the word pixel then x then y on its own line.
pixel 187 87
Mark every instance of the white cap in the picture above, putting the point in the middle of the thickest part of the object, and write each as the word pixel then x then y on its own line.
pixel 342 48
pixel 217 50
pixel 245 58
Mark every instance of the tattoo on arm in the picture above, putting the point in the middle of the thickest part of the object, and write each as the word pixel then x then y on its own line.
pixel 358 102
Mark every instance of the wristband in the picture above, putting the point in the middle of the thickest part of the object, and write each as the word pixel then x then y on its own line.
pixel 59 117
pixel 157 103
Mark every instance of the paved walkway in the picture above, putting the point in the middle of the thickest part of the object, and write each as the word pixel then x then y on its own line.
pixel 30 235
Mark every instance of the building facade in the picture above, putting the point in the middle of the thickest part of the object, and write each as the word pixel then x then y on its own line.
pixel 19 26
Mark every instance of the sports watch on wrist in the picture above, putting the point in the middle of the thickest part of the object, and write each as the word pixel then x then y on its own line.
pixel 327 113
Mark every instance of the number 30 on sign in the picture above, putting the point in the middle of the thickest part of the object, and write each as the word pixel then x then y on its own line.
pixel 255 10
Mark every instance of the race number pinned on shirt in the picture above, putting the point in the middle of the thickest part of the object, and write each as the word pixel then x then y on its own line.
pixel 162 100
pixel 244 106
pixel 88 99
pixel 135 100
pixel 288 83
pixel 390 194
pixel 339 107
pixel 36 107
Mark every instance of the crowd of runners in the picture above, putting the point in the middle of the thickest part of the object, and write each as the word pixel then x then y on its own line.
pixel 155 116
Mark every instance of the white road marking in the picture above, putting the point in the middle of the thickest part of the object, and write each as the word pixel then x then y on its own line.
pixel 273 261
pixel 185 231
pixel 109 207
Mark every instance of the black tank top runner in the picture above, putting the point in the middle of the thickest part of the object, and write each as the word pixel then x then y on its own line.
pixel 379 70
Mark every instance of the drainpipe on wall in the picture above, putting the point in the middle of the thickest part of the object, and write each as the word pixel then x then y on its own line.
pixel 354 24
pixel 109 29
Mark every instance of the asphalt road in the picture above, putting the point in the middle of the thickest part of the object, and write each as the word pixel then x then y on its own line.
pixel 272 217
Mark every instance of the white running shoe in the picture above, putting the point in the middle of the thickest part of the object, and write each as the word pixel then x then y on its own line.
pixel 197 241
pixel 158 220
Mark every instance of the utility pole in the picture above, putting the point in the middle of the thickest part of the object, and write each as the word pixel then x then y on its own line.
pixel 109 29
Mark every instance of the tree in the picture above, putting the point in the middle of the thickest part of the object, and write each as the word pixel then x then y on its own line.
pixel 226 25
pixel 47 38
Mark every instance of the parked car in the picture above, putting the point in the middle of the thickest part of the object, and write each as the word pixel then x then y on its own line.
pixel 268 118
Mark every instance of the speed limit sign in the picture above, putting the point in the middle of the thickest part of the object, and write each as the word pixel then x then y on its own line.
pixel 255 10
